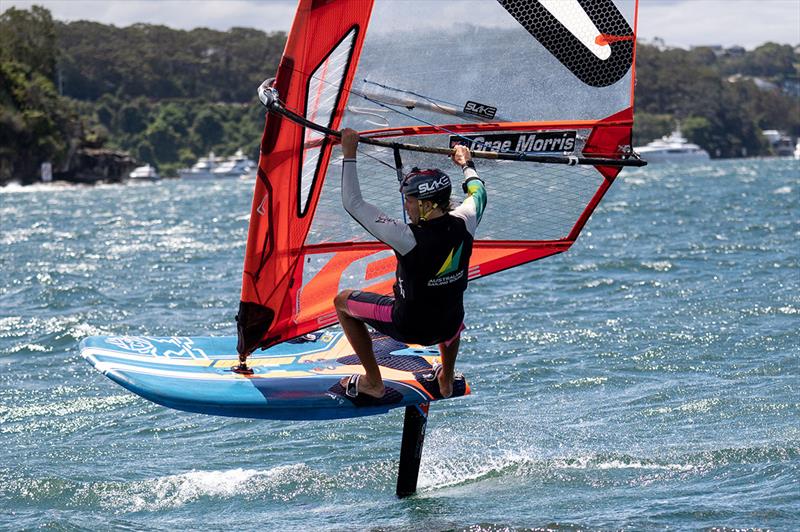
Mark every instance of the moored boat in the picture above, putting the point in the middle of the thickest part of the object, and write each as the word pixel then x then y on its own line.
pixel 202 169
pixel 212 167
pixel 237 165
pixel 673 148
pixel 145 172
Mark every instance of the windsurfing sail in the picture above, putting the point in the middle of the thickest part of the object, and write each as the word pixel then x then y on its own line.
pixel 546 80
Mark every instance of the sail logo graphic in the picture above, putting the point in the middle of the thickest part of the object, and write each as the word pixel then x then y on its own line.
pixel 262 207
pixel 592 39
pixel 572 16
pixel 536 142
pixel 449 272
pixel 480 109
pixel 433 186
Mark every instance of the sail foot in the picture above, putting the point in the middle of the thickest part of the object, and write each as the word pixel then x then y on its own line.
pixel 252 322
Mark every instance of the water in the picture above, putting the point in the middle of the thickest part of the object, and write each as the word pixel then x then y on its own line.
pixel 647 379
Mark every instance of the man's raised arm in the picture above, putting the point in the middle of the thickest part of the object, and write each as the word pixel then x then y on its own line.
pixel 471 209
pixel 392 232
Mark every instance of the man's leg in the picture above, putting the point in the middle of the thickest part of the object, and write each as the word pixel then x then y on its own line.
pixel 448 352
pixel 357 334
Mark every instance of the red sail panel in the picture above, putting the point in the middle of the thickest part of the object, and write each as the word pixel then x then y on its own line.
pixel 313 79
pixel 608 137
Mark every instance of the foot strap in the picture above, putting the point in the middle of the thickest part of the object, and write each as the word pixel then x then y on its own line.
pixel 352 386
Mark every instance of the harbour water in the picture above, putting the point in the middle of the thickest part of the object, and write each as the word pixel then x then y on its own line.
pixel 647 379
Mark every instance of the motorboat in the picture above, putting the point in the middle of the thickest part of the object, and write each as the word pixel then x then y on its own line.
pixel 237 165
pixel 212 167
pixel 145 172
pixel 202 169
pixel 672 148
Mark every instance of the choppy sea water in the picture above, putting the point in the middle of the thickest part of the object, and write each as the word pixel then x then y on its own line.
pixel 646 379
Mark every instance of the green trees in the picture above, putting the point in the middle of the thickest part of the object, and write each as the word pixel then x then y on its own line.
pixel 131 117
pixel 170 134
pixel 169 96
pixel 166 96
pixel 29 38
pixel 776 62
pixel 724 115
pixel 157 62
pixel 164 140
pixel 208 130
pixel 36 124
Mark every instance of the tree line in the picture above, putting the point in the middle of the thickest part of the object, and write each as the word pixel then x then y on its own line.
pixel 169 96
pixel 165 96
pixel 722 114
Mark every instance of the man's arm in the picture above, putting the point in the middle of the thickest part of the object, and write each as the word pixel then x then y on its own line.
pixel 392 232
pixel 471 209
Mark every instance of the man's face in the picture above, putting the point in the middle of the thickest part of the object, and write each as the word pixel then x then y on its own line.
pixel 412 208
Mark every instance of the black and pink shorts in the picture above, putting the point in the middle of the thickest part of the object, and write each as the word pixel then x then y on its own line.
pixel 376 311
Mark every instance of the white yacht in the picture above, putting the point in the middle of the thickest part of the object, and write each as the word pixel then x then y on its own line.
pixel 145 172
pixel 797 150
pixel 202 169
pixel 211 167
pixel 237 165
pixel 672 148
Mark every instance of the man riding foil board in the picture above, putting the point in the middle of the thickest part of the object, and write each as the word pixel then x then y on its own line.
pixel 433 253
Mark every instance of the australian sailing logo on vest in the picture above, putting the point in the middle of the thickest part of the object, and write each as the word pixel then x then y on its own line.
pixel 449 272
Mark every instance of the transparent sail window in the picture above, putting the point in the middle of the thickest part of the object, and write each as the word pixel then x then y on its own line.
pixel 324 87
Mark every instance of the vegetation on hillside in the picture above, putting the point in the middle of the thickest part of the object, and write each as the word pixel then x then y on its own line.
pixel 160 63
pixel 724 117
pixel 170 96
pixel 165 96
pixel 36 124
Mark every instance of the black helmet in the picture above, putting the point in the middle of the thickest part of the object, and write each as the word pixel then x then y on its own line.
pixel 431 184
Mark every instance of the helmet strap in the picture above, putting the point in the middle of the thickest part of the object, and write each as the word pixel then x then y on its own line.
pixel 423 213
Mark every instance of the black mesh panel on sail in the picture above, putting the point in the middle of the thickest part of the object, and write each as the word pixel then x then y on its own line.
pixel 566 47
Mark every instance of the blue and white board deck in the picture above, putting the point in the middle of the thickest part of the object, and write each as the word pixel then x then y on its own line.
pixel 298 379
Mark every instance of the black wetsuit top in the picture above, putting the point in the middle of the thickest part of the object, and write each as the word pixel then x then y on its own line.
pixel 431 279
pixel 432 258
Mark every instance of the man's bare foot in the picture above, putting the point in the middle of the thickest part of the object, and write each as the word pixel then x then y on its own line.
pixel 366 387
pixel 445 383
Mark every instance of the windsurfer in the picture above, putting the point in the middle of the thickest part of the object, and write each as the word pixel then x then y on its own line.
pixel 432 253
